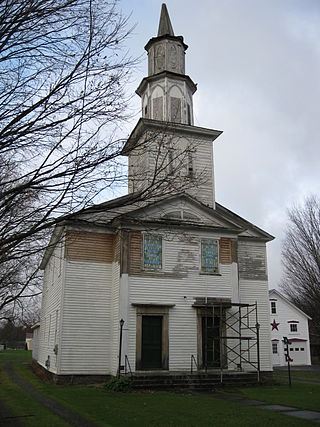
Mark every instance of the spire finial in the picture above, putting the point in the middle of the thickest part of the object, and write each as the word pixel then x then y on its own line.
pixel 165 27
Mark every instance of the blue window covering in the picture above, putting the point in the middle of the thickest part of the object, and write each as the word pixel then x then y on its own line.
pixel 152 252
pixel 209 256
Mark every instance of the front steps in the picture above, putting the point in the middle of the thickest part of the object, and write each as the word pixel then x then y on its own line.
pixel 200 381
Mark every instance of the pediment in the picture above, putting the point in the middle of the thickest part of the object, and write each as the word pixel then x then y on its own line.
pixel 182 209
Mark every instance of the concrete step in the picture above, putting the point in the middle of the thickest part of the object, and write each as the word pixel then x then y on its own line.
pixel 193 381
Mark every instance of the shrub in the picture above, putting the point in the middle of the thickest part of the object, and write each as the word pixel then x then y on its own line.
pixel 123 384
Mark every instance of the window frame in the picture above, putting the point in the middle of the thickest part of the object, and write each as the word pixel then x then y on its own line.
pixel 273 307
pixel 293 327
pixel 202 271
pixel 147 268
pixel 275 347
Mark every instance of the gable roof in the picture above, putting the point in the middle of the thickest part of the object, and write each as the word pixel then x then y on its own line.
pixel 129 209
pixel 274 291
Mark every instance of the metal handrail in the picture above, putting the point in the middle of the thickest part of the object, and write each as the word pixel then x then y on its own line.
pixel 127 364
pixel 193 360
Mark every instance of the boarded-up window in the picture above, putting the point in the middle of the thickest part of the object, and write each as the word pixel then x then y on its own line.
pixel 209 256
pixel 158 108
pixel 89 247
pixel 152 252
pixel 175 109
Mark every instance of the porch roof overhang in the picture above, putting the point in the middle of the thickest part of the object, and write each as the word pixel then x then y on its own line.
pixel 205 302
pixel 152 304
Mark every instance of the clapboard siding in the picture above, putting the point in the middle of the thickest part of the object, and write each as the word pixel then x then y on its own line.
pixel 181 255
pixel 90 247
pixel 252 260
pixel 114 312
pixel 48 336
pixel 115 328
pixel 285 313
pixel 86 329
pixel 257 291
pixel 148 164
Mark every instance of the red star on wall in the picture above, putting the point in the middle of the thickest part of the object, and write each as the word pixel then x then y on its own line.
pixel 274 325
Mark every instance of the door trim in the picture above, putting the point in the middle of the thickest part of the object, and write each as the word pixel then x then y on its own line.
pixel 208 312
pixel 153 311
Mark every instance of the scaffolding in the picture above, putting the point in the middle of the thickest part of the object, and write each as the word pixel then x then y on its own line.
pixel 237 335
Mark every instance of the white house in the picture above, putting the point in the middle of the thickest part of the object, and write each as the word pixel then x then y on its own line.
pixel 186 275
pixel 287 320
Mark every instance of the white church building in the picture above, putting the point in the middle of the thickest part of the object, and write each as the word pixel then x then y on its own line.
pixel 182 277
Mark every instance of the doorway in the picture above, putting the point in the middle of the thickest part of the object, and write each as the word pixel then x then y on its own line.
pixel 210 331
pixel 151 343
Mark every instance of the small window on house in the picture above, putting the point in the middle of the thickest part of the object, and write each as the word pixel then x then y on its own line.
pixel 209 256
pixel 152 252
pixel 302 349
pixel 297 349
pixel 275 348
pixel 146 110
pixel 293 327
pixel 273 307
pixel 291 349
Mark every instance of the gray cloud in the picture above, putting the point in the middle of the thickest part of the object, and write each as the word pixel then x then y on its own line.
pixel 257 65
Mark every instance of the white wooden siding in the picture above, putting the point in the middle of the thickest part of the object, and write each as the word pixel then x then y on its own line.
pixel 285 313
pixel 115 318
pixel 86 321
pixel 179 257
pixel 252 260
pixel 252 291
pixel 51 303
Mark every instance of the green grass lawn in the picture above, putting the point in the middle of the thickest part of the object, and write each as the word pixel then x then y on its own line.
pixel 282 376
pixel 141 409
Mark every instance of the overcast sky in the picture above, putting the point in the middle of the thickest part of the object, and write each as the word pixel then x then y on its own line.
pixel 257 66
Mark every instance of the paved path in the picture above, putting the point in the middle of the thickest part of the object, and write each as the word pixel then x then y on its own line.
pixel 70 417
pixel 283 409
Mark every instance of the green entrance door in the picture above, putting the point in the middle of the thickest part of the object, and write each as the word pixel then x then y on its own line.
pixel 210 342
pixel 151 356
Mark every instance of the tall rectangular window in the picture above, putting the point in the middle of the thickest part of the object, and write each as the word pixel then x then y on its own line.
pixel 273 307
pixel 189 114
pixel 275 348
pixel 170 161
pixel 175 104
pixel 209 256
pixel 152 252
pixel 190 164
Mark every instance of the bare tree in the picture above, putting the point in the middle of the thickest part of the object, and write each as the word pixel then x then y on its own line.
pixel 301 259
pixel 62 74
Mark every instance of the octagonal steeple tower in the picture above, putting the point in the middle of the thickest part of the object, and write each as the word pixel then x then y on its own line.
pixel 166 93
pixel 165 150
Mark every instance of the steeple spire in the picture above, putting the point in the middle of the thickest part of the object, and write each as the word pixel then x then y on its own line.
pixel 165 27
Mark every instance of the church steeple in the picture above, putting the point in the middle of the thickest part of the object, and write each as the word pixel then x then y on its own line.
pixel 166 93
pixel 165 144
pixel 165 27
